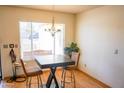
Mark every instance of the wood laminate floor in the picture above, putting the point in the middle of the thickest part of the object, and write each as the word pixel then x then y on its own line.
pixel 82 81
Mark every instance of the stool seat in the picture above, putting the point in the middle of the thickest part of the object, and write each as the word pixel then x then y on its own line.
pixel 34 71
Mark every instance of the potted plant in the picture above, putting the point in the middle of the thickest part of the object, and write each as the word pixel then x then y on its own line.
pixel 72 48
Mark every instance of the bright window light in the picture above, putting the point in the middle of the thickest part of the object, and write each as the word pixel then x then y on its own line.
pixel 34 40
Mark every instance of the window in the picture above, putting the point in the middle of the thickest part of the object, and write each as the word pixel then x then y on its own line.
pixel 35 40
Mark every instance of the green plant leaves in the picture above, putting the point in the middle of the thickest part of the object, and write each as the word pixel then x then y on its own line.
pixel 72 48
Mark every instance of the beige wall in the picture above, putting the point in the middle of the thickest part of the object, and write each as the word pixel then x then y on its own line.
pixel 9 28
pixel 99 33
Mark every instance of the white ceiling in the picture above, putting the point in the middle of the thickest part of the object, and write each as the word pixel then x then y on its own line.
pixel 62 8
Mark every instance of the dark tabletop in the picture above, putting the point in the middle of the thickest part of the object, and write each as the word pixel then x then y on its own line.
pixel 49 61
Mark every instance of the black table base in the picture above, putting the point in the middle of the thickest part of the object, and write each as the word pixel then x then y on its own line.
pixel 52 77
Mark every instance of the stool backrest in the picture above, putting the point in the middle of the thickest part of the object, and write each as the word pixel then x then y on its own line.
pixel 23 66
pixel 75 57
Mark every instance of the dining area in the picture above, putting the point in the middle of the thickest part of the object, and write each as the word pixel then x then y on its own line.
pixel 50 71
pixel 51 63
pixel 50 55
pixel 52 75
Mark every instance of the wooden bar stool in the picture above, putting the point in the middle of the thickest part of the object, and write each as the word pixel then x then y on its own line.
pixel 65 77
pixel 36 72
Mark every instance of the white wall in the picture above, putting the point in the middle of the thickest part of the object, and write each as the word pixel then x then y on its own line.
pixel 99 33
pixel 9 28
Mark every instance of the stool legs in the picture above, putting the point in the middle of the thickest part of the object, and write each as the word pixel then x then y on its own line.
pixel 41 84
pixel 29 79
pixel 30 82
pixel 26 82
pixel 73 74
pixel 38 81
pixel 65 76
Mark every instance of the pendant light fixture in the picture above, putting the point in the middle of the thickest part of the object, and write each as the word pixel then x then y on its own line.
pixel 53 29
